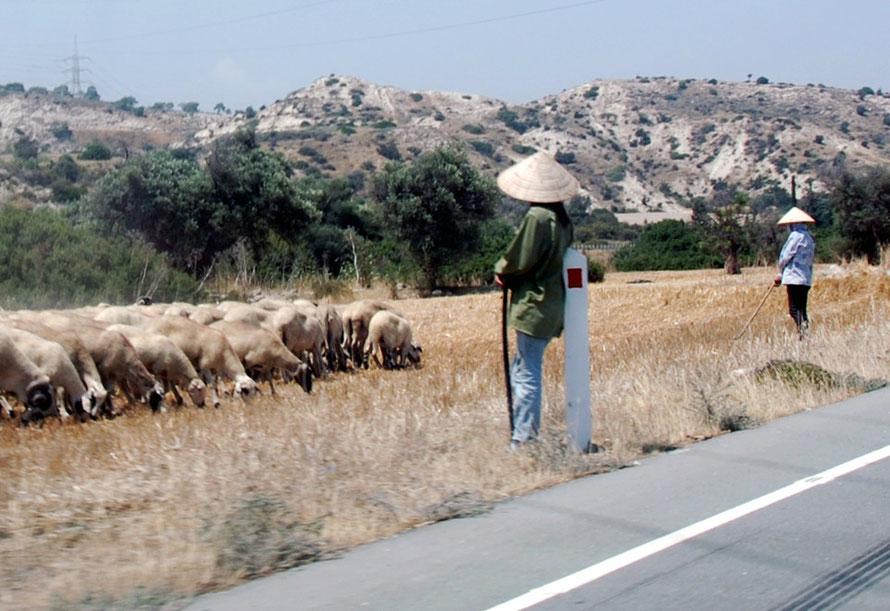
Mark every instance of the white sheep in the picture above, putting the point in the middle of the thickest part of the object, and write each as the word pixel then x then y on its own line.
pixel 77 352
pixel 115 358
pixel 262 353
pixel 301 333
pixel 20 376
pixel 53 360
pixel 391 334
pixel 209 352
pixel 166 361
pixel 356 318
pixel 205 314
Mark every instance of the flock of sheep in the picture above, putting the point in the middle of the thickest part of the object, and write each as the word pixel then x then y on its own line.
pixel 71 362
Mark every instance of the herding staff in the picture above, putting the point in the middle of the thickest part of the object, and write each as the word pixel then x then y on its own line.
pixel 506 346
pixel 762 301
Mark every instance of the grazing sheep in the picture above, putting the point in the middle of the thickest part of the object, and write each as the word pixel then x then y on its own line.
pixel 301 333
pixel 262 352
pixel 116 360
pixel 53 360
pixel 166 361
pixel 20 376
pixel 356 318
pixel 333 326
pixel 206 314
pixel 392 335
pixel 209 352
pixel 123 316
pixel 247 313
pixel 271 304
pixel 77 352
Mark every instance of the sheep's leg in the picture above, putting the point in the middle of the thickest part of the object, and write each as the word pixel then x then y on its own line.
pixel 210 381
pixel 131 401
pixel 6 407
pixel 170 387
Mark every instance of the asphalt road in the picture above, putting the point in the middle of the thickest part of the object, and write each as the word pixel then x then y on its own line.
pixel 760 533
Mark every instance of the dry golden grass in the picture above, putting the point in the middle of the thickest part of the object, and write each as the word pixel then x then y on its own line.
pixel 158 505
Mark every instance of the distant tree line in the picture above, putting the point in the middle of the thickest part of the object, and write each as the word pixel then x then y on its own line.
pixel 732 229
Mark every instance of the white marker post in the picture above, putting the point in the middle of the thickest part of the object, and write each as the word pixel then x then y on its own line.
pixel 577 349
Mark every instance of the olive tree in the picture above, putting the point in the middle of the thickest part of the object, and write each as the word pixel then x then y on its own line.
pixel 436 206
pixel 862 204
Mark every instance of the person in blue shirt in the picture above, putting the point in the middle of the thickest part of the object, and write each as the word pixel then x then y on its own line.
pixel 796 266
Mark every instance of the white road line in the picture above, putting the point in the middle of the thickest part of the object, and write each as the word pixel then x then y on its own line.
pixel 600 569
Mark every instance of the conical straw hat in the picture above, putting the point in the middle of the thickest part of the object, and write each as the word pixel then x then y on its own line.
pixel 795 215
pixel 538 179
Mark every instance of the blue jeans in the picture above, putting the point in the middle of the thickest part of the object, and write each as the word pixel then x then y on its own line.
pixel 525 380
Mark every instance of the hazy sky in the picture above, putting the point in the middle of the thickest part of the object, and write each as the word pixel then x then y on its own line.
pixel 245 53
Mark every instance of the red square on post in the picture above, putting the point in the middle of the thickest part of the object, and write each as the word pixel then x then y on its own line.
pixel 575 278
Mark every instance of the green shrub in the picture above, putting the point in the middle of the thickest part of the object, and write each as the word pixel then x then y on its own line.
pixel 389 150
pixel 511 120
pixel 616 174
pixel 61 131
pixel 95 151
pixel 592 93
pixel 65 167
pixel 482 147
pixel 523 149
pixel 25 148
pixel 416 97
pixel 667 244
pixel 475 129
pixel 45 262
pixel 65 191
pixel 565 158
pixel 596 271
pixel 384 124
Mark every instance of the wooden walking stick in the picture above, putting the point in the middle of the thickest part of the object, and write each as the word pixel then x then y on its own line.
pixel 762 301
pixel 506 346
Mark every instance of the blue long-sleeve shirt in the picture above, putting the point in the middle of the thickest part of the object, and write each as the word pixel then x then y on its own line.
pixel 796 258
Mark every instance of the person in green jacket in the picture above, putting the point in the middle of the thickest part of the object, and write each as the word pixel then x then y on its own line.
pixel 532 270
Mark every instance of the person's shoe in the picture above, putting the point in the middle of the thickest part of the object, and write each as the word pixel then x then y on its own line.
pixel 515 444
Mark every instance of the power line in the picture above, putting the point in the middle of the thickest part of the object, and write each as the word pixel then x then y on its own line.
pixel 365 38
pixel 214 24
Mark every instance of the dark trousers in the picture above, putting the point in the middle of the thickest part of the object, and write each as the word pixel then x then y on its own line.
pixel 797 303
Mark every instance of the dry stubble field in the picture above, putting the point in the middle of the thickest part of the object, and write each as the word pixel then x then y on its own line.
pixel 146 509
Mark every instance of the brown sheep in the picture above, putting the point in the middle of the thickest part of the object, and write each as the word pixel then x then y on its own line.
pixel 115 358
pixel 391 334
pixel 301 333
pixel 166 361
pixel 210 354
pixel 261 351
pixel 356 318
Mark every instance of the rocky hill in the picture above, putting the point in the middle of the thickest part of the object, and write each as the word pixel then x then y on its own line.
pixel 642 147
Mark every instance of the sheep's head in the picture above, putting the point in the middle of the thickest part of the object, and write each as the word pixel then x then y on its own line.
pixel 414 353
pixel 40 402
pixel 245 387
pixel 197 391
pixel 156 397
pixel 303 376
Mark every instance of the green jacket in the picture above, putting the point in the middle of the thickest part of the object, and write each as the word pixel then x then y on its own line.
pixel 532 269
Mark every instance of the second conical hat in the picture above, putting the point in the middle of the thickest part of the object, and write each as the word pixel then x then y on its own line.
pixel 538 179
pixel 795 215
